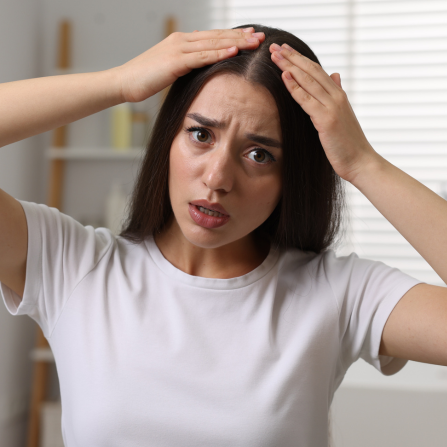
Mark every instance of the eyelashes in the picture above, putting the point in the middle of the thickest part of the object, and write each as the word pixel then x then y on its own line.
pixel 203 130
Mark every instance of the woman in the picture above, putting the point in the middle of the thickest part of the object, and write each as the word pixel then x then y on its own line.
pixel 220 316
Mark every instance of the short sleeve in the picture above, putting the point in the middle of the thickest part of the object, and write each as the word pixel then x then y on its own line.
pixel 366 292
pixel 61 252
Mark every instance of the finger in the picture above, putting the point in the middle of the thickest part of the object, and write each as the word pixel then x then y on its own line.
pixel 314 69
pixel 202 58
pixel 309 82
pixel 337 78
pixel 246 43
pixel 308 103
pixel 237 33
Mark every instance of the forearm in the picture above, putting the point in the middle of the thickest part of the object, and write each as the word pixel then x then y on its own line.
pixel 32 106
pixel 419 214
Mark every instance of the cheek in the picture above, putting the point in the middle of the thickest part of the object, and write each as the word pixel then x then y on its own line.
pixel 263 198
pixel 181 168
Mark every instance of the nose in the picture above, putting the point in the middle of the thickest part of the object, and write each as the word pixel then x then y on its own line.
pixel 219 169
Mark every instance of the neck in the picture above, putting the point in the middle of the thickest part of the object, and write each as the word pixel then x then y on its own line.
pixel 231 260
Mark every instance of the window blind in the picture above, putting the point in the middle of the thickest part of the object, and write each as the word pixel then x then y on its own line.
pixel 392 58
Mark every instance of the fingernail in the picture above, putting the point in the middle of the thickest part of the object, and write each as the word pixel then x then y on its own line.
pixel 279 55
pixel 258 35
pixel 287 46
pixel 276 47
pixel 231 49
pixel 247 29
pixel 252 39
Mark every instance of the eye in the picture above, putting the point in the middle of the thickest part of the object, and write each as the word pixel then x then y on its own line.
pixel 261 156
pixel 202 134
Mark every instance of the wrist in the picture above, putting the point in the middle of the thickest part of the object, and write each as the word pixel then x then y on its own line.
pixel 371 169
pixel 113 78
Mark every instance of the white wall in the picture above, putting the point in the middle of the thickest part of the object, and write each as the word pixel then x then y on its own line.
pixel 105 34
pixel 20 171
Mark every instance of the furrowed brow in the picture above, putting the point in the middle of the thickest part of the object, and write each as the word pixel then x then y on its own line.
pixel 204 121
pixel 210 122
pixel 266 141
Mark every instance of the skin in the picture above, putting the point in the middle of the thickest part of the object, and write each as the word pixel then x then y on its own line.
pixel 223 166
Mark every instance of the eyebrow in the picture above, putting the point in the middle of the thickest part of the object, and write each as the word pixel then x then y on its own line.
pixel 210 122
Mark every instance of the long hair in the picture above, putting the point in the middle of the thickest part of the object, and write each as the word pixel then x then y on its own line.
pixel 310 212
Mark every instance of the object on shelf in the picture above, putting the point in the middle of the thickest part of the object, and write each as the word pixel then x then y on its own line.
pixel 50 420
pixel 121 126
pixel 115 208
pixel 140 128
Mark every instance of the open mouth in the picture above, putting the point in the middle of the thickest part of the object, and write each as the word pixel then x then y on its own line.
pixel 209 211
pixel 207 218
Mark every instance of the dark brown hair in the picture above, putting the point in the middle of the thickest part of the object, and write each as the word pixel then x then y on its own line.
pixel 309 214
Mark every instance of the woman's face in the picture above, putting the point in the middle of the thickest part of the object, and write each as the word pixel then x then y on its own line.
pixel 225 159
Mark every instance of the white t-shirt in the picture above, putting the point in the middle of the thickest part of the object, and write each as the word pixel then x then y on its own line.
pixel 148 355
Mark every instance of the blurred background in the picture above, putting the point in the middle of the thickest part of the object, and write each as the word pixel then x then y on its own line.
pixel 392 57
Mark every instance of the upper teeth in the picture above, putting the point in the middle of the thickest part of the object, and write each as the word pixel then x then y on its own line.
pixel 210 212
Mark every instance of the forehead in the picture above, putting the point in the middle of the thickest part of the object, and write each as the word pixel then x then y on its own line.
pixel 230 98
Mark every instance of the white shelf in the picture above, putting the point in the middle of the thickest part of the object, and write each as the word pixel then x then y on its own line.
pixel 93 153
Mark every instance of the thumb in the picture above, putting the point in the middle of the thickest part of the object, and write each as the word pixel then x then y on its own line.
pixel 336 78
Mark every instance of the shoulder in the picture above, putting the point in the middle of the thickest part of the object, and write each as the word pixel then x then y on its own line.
pixel 328 267
pixel 327 259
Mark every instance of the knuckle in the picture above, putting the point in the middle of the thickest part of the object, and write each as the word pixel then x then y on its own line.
pixel 295 86
pixel 175 36
pixel 213 42
pixel 288 65
pixel 307 97
pixel 308 79
pixel 310 65
pixel 341 97
pixel 203 55
pixel 219 32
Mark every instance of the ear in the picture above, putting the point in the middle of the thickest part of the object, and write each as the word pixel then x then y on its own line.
pixel 336 78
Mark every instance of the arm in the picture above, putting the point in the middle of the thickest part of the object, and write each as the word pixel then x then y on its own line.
pixel 34 106
pixel 414 210
pixel 417 327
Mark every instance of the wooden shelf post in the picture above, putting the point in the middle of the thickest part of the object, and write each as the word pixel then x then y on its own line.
pixel 41 367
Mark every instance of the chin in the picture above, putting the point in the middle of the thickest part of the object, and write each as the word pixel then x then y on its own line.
pixel 207 238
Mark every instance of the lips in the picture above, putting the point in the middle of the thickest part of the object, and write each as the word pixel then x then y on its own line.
pixel 211 206
pixel 205 220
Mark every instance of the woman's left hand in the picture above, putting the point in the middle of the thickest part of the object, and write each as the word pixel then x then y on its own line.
pixel 323 99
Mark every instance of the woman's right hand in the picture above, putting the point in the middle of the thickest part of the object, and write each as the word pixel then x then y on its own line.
pixel 177 55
